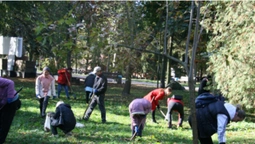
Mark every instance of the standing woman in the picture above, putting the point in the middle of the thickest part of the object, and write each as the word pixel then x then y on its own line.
pixel 138 110
pixel 44 88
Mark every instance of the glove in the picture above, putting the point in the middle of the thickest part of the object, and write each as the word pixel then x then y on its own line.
pixel 95 91
pixel 158 106
pixel 9 100
pixel 38 96
pixel 136 129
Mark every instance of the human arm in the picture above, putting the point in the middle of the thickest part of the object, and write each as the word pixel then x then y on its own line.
pixel 57 113
pixel 8 85
pixel 222 121
pixel 37 87
pixel 53 90
pixel 102 87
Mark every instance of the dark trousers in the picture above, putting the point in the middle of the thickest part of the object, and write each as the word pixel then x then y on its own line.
pixel 43 105
pixel 65 87
pixel 88 95
pixel 62 127
pixel 6 116
pixel 100 101
pixel 207 140
pixel 175 106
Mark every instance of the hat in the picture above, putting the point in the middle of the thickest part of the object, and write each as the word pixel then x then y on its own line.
pixel 97 69
pixel 46 69
pixel 59 103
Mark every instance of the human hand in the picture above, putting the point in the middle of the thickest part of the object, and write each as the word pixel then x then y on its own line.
pixel 136 129
pixel 38 96
pixel 9 100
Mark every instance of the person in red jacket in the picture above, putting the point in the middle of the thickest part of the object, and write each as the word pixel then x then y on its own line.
pixel 154 97
pixel 64 77
pixel 175 104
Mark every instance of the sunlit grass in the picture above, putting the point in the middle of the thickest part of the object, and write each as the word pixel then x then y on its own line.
pixel 27 127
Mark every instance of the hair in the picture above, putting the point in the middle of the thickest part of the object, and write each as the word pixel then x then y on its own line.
pixel 240 113
pixel 169 89
pixel 59 103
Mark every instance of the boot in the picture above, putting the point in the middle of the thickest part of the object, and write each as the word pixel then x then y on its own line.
pixel 103 115
pixel 169 125
pixel 153 117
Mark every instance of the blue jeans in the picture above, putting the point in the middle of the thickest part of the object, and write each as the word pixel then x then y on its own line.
pixel 60 86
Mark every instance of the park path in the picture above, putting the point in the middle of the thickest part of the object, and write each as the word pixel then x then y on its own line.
pixel 134 82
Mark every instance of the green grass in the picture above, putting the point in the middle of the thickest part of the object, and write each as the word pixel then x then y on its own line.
pixel 27 127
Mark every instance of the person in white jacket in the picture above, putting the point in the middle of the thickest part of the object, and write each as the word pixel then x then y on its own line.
pixel 44 88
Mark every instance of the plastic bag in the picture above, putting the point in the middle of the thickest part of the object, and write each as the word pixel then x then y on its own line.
pixel 47 123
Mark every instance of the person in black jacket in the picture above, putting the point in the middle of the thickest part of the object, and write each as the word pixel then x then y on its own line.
pixel 69 120
pixel 214 118
pixel 89 82
pixel 99 89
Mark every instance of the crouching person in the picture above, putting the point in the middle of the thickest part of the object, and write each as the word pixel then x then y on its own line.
pixel 138 109
pixel 63 118
pixel 214 119
pixel 175 104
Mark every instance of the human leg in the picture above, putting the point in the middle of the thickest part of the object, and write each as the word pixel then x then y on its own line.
pixel 54 130
pixel 59 90
pixel 45 104
pixel 87 96
pixel 102 107
pixel 153 116
pixel 7 114
pixel 66 91
pixel 41 105
pixel 169 113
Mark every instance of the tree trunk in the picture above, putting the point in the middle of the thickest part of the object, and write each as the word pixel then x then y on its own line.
pixel 164 64
pixel 127 86
pixel 191 78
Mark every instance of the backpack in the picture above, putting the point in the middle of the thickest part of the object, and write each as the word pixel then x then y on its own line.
pixel 205 99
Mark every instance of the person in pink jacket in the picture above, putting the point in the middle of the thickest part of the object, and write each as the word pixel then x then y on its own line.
pixel 138 109
pixel 9 104
pixel 44 88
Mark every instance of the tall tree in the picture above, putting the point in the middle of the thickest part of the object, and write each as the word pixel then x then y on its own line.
pixel 231 49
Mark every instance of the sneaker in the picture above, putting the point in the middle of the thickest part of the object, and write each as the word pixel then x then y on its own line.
pixel 56 135
pixel 86 119
pixel 69 134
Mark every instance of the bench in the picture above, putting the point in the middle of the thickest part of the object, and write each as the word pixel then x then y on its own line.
pixel 112 77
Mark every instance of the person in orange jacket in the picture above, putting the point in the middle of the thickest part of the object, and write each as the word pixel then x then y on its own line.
pixel 154 96
pixel 64 77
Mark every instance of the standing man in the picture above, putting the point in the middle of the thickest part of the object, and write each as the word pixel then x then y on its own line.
pixel 89 82
pixel 154 97
pixel 9 104
pixel 64 77
pixel 99 89
pixel 203 87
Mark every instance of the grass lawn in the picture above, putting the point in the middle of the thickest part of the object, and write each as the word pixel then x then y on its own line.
pixel 27 127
